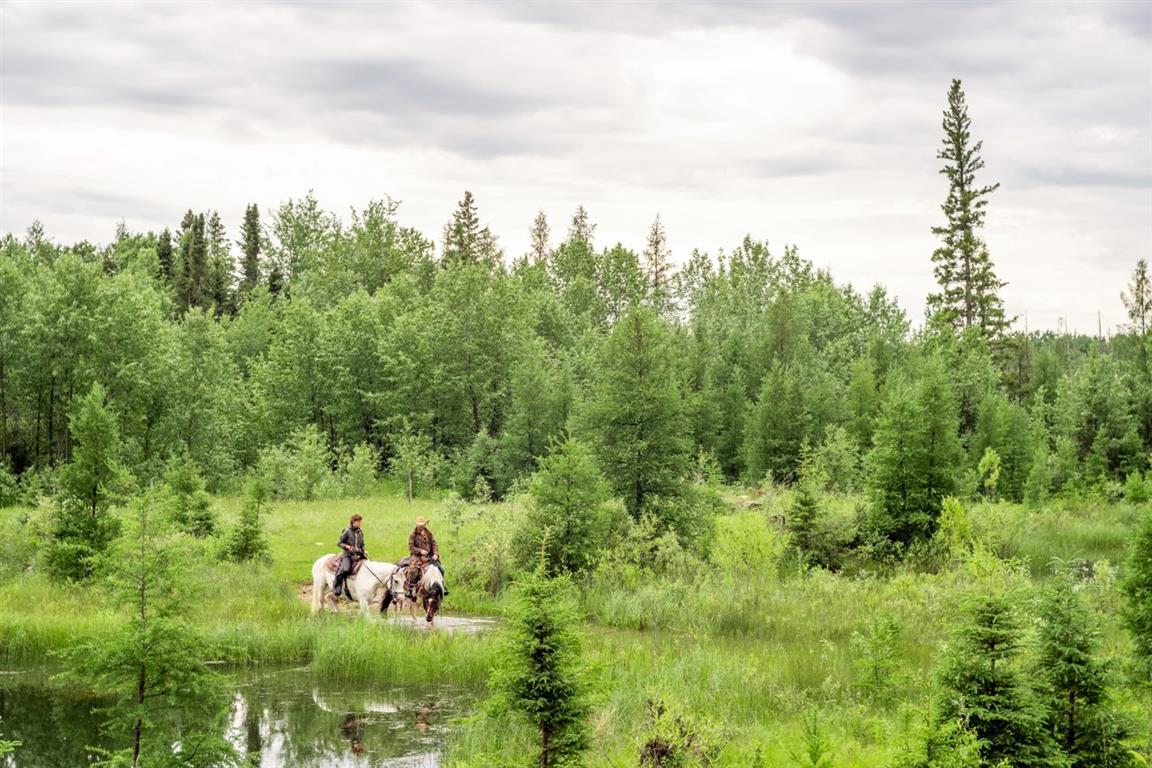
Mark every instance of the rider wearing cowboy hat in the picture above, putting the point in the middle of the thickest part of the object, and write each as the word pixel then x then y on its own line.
pixel 423 549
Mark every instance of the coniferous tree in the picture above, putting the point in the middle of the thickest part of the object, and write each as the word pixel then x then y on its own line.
pixel 89 484
pixel 193 263
pixel 969 289
pixel 218 277
pixel 982 688
pixel 181 268
pixel 913 465
pixel 1138 299
pixel 465 241
pixel 164 254
pixel 540 676
pixel 581 229
pixel 568 521
pixel 803 523
pixel 167 703
pixel 1137 589
pixel 658 269
pixel 250 247
pixel 635 417
pixel 538 250
pixel 1073 684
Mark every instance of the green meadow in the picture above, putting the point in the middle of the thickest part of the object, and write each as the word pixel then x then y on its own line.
pixel 766 660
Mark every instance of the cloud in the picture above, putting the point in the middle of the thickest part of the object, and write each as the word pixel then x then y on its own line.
pixel 813 123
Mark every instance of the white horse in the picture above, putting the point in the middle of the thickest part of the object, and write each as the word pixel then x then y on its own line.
pixel 431 592
pixel 365 585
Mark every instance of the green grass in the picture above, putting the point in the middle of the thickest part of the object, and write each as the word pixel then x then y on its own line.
pixel 749 654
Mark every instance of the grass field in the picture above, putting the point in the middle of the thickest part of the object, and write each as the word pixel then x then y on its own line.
pixel 763 660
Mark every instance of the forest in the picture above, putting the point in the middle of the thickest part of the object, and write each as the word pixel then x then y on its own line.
pixel 762 517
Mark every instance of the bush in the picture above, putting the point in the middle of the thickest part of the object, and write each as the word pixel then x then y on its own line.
pixel 746 544
pixel 189 504
pixel 9 486
pixel 360 474
pixel 1138 488
pixel 569 518
pixel 297 470
pixel 247 541
pixel 412 452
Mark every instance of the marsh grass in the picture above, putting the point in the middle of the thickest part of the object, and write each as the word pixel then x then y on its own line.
pixel 753 652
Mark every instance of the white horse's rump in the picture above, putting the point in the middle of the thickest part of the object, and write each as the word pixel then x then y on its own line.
pixel 366 585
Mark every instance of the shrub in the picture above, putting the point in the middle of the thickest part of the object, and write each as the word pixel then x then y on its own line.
pixel 1138 488
pixel 296 470
pixel 188 502
pixel 746 543
pixel 247 541
pixel 412 452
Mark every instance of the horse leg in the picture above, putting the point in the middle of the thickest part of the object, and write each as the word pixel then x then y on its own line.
pixel 317 593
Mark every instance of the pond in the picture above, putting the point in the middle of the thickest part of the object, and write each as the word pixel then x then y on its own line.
pixel 289 717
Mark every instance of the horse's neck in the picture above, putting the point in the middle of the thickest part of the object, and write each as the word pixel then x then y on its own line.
pixel 432 575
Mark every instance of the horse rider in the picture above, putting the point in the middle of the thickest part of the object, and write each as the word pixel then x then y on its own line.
pixel 422 549
pixel 352 544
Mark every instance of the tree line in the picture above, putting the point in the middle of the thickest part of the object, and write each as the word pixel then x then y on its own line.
pixel 466 367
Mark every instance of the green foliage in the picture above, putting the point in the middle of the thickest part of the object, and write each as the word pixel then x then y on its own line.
pixel 296 470
pixel 982 687
pixel 359 474
pixel 804 523
pixel 154 662
pixel 1138 488
pixel 569 521
pixel 635 418
pixel 1073 684
pixel 878 657
pixel 969 289
pixel 190 504
pixel 540 675
pixel 412 455
pixel 676 739
pixel 247 541
pixel 1137 589
pixel 84 524
pixel 913 464
pixel 989 471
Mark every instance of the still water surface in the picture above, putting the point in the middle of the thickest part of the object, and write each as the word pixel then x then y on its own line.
pixel 289 717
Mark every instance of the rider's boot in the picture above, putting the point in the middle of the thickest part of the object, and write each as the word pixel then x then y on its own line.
pixel 337 585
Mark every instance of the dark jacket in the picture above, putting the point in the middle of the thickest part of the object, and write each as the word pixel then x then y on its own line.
pixel 352 539
pixel 423 539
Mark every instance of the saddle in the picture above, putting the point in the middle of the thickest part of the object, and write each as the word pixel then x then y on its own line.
pixel 332 565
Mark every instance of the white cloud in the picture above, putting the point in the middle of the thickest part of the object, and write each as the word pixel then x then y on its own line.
pixel 814 125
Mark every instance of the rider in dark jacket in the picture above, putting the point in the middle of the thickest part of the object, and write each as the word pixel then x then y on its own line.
pixel 422 549
pixel 352 544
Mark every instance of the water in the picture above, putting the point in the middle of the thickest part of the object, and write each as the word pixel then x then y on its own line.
pixel 290 717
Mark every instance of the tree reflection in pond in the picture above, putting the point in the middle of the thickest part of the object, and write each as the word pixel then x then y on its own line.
pixel 289 717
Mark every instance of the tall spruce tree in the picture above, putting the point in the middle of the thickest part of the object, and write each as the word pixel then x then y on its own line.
pixel 983 689
pixel 250 247
pixel 164 254
pixel 218 278
pixel 1137 299
pixel 1073 684
pixel 658 269
pixel 193 262
pixel 465 241
pixel 538 251
pixel 969 289
pixel 636 418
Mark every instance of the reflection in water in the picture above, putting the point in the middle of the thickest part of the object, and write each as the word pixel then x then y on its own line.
pixel 285 717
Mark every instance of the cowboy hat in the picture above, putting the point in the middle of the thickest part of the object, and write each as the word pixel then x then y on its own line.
pixel 421 521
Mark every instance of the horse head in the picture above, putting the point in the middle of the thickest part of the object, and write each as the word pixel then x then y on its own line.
pixel 432 585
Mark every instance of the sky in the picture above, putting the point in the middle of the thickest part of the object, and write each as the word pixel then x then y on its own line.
pixel 808 124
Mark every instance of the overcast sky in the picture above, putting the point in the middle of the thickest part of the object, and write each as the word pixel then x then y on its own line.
pixel 814 125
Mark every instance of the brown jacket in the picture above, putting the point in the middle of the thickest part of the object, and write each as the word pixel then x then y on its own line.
pixel 423 539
